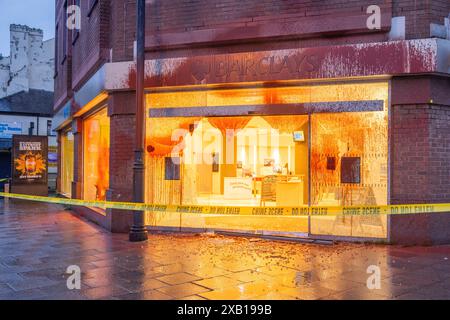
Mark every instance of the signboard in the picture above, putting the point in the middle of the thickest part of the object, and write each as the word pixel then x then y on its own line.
pixel 8 129
pixel 30 164
pixel 238 188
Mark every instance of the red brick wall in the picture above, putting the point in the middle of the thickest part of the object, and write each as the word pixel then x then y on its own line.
pixel 123 29
pixel 122 152
pixel 86 53
pixel 420 172
pixel 91 48
pixel 112 24
pixel 184 16
pixel 410 153
pixel 420 151
pixel 419 14
pixel 121 111
pixel 192 15
pixel 122 157
pixel 77 127
pixel 440 9
pixel 439 170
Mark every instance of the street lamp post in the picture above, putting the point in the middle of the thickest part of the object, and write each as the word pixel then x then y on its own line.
pixel 138 231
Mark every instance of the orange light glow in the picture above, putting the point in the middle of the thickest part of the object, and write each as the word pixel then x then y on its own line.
pixel 262 96
pixel 66 163
pixel 257 153
pixel 96 156
pixel 91 104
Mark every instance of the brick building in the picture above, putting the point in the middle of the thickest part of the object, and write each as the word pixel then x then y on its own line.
pixel 266 103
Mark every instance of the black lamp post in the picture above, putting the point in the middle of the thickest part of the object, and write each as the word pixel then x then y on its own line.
pixel 138 231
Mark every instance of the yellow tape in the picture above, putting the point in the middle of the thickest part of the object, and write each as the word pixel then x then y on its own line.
pixel 254 211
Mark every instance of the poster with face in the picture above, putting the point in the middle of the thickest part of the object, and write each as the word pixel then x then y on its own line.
pixel 30 160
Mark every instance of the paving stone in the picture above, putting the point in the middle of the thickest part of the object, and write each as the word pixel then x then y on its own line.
pixel 134 286
pixel 71 295
pixel 138 275
pixel 273 296
pixel 356 294
pixel 104 292
pixel 145 295
pixel 10 276
pixel 5 289
pixel 30 294
pixel 31 283
pixel 218 282
pixel 307 292
pixel 195 297
pixel 183 290
pixel 228 293
pixel 206 272
pixel 178 278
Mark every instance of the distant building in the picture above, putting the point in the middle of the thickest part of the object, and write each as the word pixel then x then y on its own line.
pixel 26 93
pixel 30 64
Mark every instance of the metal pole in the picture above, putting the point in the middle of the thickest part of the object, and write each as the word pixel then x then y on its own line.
pixel 138 231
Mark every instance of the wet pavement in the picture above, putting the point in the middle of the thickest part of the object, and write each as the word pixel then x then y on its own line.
pixel 39 241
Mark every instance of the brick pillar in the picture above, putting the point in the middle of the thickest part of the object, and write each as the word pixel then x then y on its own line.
pixel 77 183
pixel 121 110
pixel 420 158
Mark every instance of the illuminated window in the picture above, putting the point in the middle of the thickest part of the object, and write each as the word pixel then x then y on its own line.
pixel 358 143
pixel 265 154
pixel 96 156
pixel 66 163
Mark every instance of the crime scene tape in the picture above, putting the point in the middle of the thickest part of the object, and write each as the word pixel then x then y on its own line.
pixel 253 211
pixel 4 180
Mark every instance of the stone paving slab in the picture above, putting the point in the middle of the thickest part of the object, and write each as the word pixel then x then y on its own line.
pixel 39 241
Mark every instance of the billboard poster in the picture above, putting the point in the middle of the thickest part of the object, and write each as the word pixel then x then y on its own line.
pixel 30 160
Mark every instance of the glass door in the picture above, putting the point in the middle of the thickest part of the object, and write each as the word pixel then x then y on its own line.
pixel 349 166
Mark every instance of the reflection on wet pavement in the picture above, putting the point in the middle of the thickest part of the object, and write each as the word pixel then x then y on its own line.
pixel 39 241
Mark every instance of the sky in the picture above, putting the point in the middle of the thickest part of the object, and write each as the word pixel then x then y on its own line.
pixel 33 13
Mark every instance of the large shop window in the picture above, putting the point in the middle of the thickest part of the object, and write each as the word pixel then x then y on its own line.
pixel 260 147
pixel 66 163
pixel 357 144
pixel 96 140
pixel 221 161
